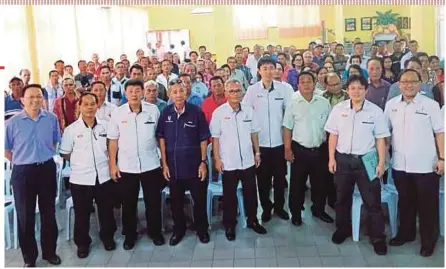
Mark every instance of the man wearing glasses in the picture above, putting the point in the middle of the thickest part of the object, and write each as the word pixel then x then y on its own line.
pixel 235 129
pixel 183 133
pixel 334 93
pixel 84 144
pixel 417 128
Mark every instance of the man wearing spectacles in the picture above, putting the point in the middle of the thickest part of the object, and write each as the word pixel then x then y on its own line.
pixel 183 133
pixel 84 144
pixel 30 144
pixel 417 129
pixel 65 107
pixel 235 129
pixel 334 93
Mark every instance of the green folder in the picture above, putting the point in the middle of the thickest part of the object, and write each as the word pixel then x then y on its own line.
pixel 370 161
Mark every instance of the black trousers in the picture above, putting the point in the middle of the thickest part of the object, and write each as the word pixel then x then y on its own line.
pixel 249 188
pixel 83 196
pixel 418 192
pixel 273 165
pixel 308 162
pixel 198 190
pixel 350 171
pixel 29 183
pixel 328 181
pixel 152 183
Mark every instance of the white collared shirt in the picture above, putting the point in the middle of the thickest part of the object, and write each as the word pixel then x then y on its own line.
pixel 120 82
pixel 137 146
pixel 269 106
pixel 53 94
pixel 357 130
pixel 405 57
pixel 165 81
pixel 115 93
pixel 88 149
pixel 104 112
pixel 413 126
pixel 307 119
pixel 234 129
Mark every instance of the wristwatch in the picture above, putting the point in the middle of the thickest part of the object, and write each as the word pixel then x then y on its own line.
pixel 441 159
pixel 204 161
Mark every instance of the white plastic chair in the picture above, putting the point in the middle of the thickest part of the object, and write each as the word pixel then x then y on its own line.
pixel 441 196
pixel 389 196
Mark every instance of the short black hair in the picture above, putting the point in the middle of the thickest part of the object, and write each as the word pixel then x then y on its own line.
pixel 184 75
pixel 421 54
pixel 31 86
pixel 187 60
pixel 356 78
pixel 413 41
pixel 312 43
pixel 214 78
pixel 136 66
pixel 110 59
pixel 355 57
pixel 355 66
pixel 319 69
pixel 15 79
pixel 266 60
pixel 225 66
pixel 80 61
pixel 165 60
pixel 52 71
pixel 433 57
pixel 306 73
pixel 202 47
pixel 192 52
pixel 374 59
pixel 339 45
pixel 88 94
pixel 104 67
pixel 283 54
pixel 247 49
pixel 58 61
pixel 97 82
pixel 134 82
pixel 237 46
pixel 407 71
pixel 116 64
pixel 413 59
pixel 294 59
pixel 358 43
pixel 319 45
pixel 68 65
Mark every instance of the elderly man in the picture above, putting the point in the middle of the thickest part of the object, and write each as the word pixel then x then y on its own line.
pixel 65 107
pixel 191 96
pixel 25 75
pixel 183 133
pixel 378 88
pixel 151 95
pixel 30 144
pixel 12 101
pixel 334 93
pixel 197 86
pixel 236 73
pixel 308 61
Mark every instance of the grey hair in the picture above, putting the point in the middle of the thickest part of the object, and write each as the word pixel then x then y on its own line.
pixel 151 83
pixel 232 81
pixel 191 64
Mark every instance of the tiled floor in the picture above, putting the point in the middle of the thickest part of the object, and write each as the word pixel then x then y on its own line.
pixel 283 246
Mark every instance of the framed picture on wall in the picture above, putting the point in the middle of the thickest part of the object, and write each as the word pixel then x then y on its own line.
pixel 350 25
pixel 366 24
pixel 399 23
pixel 405 23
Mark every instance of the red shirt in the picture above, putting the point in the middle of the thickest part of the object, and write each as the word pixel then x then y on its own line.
pixel 66 111
pixel 285 73
pixel 208 107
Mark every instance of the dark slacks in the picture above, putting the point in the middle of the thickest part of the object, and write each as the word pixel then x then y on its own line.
pixel 152 183
pixel 83 196
pixel 328 181
pixel 308 162
pixel 350 171
pixel 198 190
pixel 29 183
pixel 273 165
pixel 249 188
pixel 418 192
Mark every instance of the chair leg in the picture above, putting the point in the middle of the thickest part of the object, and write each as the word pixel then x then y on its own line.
pixel 16 235
pixel 7 230
pixel 163 209
pixel 356 217
pixel 393 209
pixel 209 208
pixel 241 207
pixel 97 215
pixel 68 223
pixel 441 213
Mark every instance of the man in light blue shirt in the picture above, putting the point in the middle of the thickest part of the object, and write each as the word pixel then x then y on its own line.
pixel 151 95
pixel 198 87
pixel 54 89
pixel 192 97
pixel 30 144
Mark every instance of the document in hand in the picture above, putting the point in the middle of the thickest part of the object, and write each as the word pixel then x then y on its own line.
pixel 370 161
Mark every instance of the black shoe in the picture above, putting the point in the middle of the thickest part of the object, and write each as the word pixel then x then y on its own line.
pixel 54 260
pixel 399 241
pixel 339 237
pixel 296 221
pixel 175 239
pixel 230 234
pixel 158 239
pixel 257 228
pixel 426 251
pixel 82 252
pixel 380 247
pixel 29 265
pixel 129 243
pixel 109 245
pixel 324 217
pixel 266 216
pixel 204 237
pixel 282 214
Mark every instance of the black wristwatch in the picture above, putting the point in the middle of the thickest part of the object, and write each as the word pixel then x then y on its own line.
pixel 204 161
pixel 441 159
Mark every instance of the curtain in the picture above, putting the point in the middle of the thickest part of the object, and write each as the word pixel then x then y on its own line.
pixel 14 54
pixel 252 22
pixel 134 28
pixel 298 21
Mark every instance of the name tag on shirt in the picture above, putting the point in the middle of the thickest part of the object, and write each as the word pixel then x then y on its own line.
pixel 278 98
pixel 368 122
pixel 189 124
pixel 259 95
pixel 149 122
pixel 103 135
pixel 421 113
pixel 247 120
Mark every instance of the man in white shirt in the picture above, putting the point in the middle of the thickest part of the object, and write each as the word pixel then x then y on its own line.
pixel 134 161
pixel 84 144
pixel 269 99
pixel 252 61
pixel 114 91
pixel 120 77
pixel 413 50
pixel 54 89
pixel 166 76
pixel 417 129
pixel 105 108
pixel 235 129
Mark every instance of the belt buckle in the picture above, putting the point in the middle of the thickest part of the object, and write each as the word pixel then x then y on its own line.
pixel 39 163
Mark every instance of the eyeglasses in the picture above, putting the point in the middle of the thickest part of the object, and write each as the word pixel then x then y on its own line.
pixel 336 84
pixel 175 81
pixel 234 92
pixel 69 84
pixel 409 82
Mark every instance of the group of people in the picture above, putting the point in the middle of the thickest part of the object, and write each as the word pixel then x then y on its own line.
pixel 148 125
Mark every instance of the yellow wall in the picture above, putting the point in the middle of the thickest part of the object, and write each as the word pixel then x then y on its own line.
pixel 216 33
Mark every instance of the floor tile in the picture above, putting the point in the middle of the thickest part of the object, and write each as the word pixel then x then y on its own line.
pixel 310 262
pixel 223 263
pixel 288 262
pixel 244 253
pixel 223 254
pixel 271 262
pixel 332 262
pixel 244 263
pixel 265 253
pixel 307 251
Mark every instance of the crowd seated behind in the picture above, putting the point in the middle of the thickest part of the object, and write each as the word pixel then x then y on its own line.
pixel 152 122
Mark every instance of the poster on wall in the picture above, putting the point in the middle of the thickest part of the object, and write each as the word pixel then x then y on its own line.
pixel 168 41
pixel 350 25
pixel 366 24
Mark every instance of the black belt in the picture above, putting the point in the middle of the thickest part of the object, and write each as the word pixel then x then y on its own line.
pixel 305 148
pixel 37 163
pixel 354 156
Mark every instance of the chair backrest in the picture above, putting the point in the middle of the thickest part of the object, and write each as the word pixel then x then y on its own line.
pixel 8 172
pixel 211 166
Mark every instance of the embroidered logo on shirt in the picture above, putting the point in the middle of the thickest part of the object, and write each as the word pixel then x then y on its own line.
pixel 344 115
pixel 189 125
pixel 169 119
pixel 80 136
pixel 227 118
pixel 124 122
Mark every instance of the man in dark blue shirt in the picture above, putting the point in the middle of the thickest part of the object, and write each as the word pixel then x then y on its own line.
pixel 12 101
pixel 183 134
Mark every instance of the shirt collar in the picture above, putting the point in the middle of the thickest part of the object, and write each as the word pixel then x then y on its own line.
pixel 270 89
pixel 23 115
pixel 94 124
pixel 232 110
pixel 416 99
pixel 349 104
pixel 300 98
pixel 140 108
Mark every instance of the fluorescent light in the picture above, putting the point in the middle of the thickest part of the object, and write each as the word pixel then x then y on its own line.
pixel 202 10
